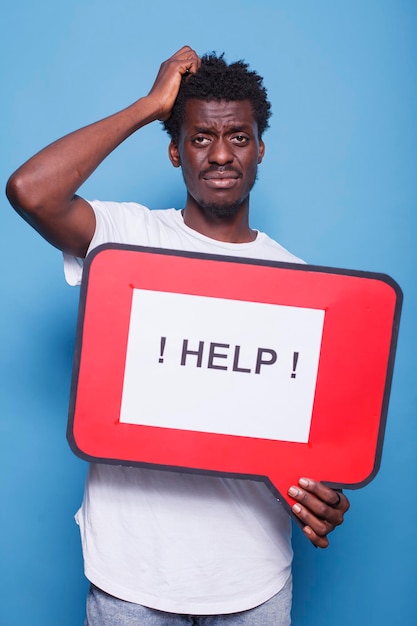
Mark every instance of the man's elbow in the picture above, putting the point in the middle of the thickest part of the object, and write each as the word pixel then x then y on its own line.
pixel 22 196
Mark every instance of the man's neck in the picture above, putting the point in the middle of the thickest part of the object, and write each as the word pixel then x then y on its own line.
pixel 232 230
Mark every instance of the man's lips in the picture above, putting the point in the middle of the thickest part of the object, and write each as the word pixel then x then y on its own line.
pixel 224 176
pixel 220 175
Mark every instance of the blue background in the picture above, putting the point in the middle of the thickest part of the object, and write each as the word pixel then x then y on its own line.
pixel 337 187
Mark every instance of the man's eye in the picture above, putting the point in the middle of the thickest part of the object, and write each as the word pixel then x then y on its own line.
pixel 240 139
pixel 201 141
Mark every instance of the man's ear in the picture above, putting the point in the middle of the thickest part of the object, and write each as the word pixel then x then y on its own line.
pixel 261 151
pixel 174 155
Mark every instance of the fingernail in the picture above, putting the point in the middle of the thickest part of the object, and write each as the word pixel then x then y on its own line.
pixel 304 482
pixel 293 491
pixel 296 508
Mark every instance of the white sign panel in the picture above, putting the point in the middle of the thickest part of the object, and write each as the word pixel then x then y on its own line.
pixel 221 366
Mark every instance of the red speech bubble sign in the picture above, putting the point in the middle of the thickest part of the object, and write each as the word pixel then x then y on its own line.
pixel 255 369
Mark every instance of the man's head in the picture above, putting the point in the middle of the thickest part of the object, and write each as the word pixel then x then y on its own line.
pixel 216 80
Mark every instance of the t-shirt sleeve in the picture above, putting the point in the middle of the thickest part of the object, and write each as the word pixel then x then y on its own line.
pixel 115 223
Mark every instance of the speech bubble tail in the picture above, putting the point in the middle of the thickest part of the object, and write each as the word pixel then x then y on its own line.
pixel 279 488
pixel 279 485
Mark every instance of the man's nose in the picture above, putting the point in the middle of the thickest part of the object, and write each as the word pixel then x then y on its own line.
pixel 221 152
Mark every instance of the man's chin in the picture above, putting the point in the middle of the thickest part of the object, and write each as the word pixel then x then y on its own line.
pixel 222 211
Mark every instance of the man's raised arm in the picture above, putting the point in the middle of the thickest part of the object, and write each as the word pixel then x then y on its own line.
pixel 43 190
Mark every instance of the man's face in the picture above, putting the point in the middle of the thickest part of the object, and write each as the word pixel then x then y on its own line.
pixel 219 152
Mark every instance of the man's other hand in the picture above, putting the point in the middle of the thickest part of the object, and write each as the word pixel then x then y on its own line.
pixel 319 508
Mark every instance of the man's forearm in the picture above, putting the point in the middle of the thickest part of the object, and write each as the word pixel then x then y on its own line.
pixel 43 190
pixel 47 182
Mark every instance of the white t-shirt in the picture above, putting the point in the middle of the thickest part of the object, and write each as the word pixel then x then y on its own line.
pixel 180 542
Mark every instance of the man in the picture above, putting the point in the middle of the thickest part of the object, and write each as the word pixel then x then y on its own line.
pixel 164 547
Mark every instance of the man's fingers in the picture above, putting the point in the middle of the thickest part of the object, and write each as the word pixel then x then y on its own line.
pixel 313 507
pixel 167 83
pixel 320 508
pixel 317 540
pixel 321 524
pixel 192 61
pixel 187 59
pixel 335 498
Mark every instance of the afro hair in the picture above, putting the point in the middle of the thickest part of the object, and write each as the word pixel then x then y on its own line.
pixel 217 80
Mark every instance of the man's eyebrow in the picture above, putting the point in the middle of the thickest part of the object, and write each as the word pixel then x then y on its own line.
pixel 244 127
pixel 236 128
pixel 202 129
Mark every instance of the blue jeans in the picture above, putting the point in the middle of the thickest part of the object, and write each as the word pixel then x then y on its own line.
pixel 105 610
